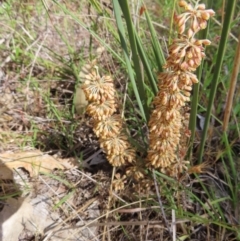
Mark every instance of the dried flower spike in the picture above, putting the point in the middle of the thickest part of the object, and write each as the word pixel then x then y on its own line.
pixel 168 122
pixel 108 126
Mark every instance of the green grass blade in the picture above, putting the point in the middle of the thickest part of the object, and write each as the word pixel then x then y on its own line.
pixel 102 11
pixel 229 153
pixel 135 56
pixel 195 98
pixel 159 56
pixel 137 87
pixel 231 163
pixel 146 65
pixel 221 51
pixel 59 178
pixel 63 200
pixel 92 32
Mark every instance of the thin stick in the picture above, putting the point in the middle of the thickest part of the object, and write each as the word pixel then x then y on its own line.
pixel 232 88
pixel 160 203
pixel 174 225
pixel 108 206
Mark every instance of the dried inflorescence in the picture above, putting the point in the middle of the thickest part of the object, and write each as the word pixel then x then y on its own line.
pixel 196 17
pixel 168 122
pixel 119 182
pixel 186 54
pixel 102 107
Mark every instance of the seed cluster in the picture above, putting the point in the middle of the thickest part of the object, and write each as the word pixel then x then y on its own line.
pixel 102 107
pixel 167 125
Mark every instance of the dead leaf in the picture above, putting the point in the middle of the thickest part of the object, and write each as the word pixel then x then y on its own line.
pixel 33 161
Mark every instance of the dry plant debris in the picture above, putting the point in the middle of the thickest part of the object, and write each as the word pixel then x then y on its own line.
pixel 33 215
pixel 34 162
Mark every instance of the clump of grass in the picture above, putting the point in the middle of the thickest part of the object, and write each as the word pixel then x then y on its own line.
pixel 168 124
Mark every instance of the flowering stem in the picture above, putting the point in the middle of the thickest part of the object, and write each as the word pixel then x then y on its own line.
pixel 168 125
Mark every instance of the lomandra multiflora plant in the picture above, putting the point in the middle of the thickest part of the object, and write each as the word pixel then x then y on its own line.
pixel 168 125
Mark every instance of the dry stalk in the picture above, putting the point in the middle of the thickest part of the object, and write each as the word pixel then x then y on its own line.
pixel 232 88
